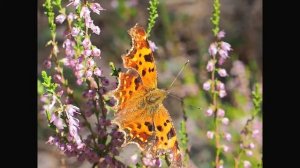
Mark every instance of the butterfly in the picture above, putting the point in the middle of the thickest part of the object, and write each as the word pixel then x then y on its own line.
pixel 140 113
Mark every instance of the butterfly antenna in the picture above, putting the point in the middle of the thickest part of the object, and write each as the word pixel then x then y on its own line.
pixel 182 68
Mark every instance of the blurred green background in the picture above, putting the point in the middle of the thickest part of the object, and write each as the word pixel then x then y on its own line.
pixel 182 32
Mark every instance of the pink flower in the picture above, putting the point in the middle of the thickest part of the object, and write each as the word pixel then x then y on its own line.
pixel 251 145
pixel 222 93
pixel 73 122
pixel 228 136
pixel 225 148
pixel 209 112
pixel 86 43
pixel 96 8
pixel 247 164
pixel 60 18
pixel 75 31
pixel 85 12
pixel 87 53
pixel 225 121
pixel 255 133
pixel 96 52
pixel 47 63
pixel 88 22
pixel 57 121
pixel 212 50
pixel 79 81
pixel 97 72
pixel 222 72
pixel 210 66
pixel 221 34
pixel 89 73
pixel 152 45
pixel 220 86
pixel 74 2
pixel 223 54
pixel 206 85
pixel 210 134
pixel 95 29
pixel 220 113
pixel 90 63
pixel 249 153
pixel 225 46
pixel 71 16
pixel 79 67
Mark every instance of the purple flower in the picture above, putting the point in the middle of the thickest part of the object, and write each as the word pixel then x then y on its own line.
pixel 86 43
pixel 225 121
pixel 249 153
pixel 206 85
pixel 225 46
pixel 222 72
pixel 228 136
pixel 89 73
pixel 52 140
pixel 87 53
pixel 96 8
pixel 247 164
pixel 222 93
pixel 152 45
pixel 223 54
pixel 220 112
pixel 75 3
pixel 255 133
pixel 75 31
pixel 96 52
pixel 85 12
pixel 213 49
pixel 95 29
pixel 73 122
pixel 71 16
pixel 225 148
pixel 209 112
pixel 57 121
pixel 210 66
pixel 97 72
pixel 90 63
pixel 105 81
pixel 221 34
pixel 47 63
pixel 220 86
pixel 251 145
pixel 111 102
pixel 60 18
pixel 210 134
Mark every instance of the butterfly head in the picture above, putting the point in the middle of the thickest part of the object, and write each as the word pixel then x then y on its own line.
pixel 156 96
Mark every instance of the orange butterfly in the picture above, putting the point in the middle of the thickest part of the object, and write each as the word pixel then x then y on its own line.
pixel 140 112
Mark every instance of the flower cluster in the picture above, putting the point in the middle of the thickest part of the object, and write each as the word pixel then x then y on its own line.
pixel 79 51
pixel 75 135
pixel 219 52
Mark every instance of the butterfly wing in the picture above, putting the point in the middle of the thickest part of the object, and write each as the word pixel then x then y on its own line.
pixel 165 134
pixel 140 57
pixel 129 84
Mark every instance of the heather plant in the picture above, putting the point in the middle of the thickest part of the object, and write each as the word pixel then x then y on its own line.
pixel 74 93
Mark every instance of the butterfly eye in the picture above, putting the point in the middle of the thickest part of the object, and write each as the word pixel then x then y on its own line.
pixel 153 99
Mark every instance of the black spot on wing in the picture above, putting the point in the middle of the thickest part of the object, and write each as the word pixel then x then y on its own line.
pixel 143 72
pixel 139 126
pixel 159 128
pixel 148 58
pixel 171 133
pixel 149 125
